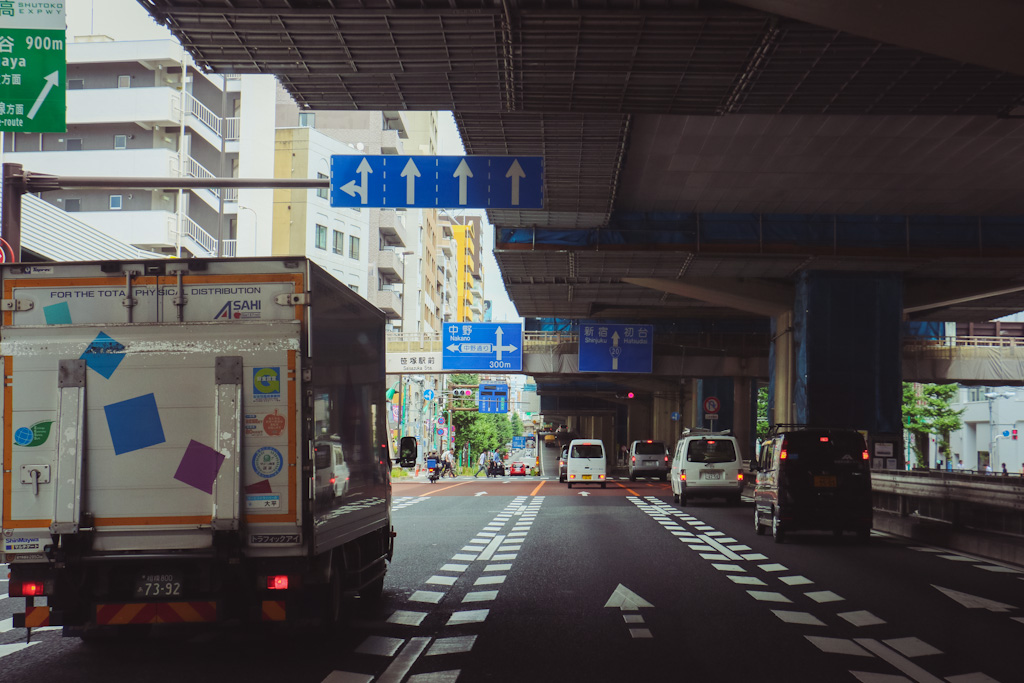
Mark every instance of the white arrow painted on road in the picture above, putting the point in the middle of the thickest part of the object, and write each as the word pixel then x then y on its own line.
pixel 410 173
pixel 51 81
pixel 973 601
pixel 625 599
pixel 352 189
pixel 499 348
pixel 463 172
pixel 584 493
pixel 515 172
pixel 481 493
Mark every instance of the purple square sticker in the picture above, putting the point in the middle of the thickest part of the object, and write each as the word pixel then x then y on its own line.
pixel 199 466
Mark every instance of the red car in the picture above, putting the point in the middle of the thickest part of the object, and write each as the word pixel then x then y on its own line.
pixel 518 468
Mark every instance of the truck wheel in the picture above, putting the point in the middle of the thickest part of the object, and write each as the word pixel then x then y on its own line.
pixel 604 485
pixel 570 484
pixel 778 531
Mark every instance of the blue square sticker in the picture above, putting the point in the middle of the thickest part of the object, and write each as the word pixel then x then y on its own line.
pixel 266 384
pixel 134 424
pixel 57 314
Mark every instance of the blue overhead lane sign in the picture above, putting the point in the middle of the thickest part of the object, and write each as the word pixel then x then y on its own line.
pixel 606 347
pixel 482 346
pixel 392 181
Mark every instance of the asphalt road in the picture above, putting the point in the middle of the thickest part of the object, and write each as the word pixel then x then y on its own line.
pixel 502 580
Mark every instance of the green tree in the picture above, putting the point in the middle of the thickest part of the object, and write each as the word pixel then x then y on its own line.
pixel 762 413
pixel 927 410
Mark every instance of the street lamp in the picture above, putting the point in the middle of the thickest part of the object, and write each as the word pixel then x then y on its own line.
pixel 992 438
pixel 255 228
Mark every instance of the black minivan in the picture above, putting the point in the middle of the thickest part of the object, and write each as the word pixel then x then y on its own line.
pixel 813 478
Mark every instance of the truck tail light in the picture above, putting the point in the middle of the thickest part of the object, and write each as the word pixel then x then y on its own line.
pixel 278 582
pixel 864 455
pixel 28 589
pixel 600 476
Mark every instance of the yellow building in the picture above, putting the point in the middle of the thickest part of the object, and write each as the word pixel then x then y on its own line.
pixel 469 303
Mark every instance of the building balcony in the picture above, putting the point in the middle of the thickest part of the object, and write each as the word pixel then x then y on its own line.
pixel 391 224
pixel 387 300
pixel 158 163
pixel 390 265
pixel 446 247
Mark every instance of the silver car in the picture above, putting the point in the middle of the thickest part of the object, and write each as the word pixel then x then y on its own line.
pixel 648 459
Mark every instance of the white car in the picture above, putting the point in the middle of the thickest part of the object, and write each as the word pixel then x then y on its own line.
pixel 586 463
pixel 706 465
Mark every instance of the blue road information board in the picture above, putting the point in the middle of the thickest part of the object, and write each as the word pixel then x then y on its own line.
pixel 607 347
pixel 518 442
pixel 393 181
pixel 492 398
pixel 482 346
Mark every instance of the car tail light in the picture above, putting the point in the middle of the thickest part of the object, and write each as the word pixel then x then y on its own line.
pixel 634 458
pixel 783 454
pixel 711 442
pixel 278 582
pixel 682 476
pixel 333 479
pixel 864 455
pixel 666 458
pixel 29 589
pixel 739 476
pixel 649 441
pixel 600 476
pixel 823 439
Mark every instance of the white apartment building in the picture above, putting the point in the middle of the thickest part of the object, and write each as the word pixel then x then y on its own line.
pixel 140 109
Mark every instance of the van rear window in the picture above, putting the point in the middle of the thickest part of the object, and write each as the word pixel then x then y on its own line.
pixel 711 450
pixel 653 448
pixel 808 449
pixel 586 451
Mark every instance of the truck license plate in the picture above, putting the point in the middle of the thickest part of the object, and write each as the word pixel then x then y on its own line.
pixel 586 476
pixel 828 482
pixel 158 585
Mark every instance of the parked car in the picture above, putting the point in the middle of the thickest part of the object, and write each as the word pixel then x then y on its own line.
pixel 648 459
pixel 813 478
pixel 587 463
pixel 706 465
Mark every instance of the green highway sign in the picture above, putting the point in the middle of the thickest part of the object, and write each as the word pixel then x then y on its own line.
pixel 33 67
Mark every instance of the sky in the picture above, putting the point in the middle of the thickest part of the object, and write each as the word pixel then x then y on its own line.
pixel 126 20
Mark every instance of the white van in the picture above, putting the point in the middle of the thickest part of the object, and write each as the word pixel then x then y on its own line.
pixel 707 465
pixel 587 463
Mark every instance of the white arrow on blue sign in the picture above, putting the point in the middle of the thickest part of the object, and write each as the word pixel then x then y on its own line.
pixel 430 182
pixel 606 347
pixel 482 346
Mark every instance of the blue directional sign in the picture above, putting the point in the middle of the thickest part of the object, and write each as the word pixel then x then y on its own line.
pixel 482 346
pixel 428 395
pixel 518 442
pixel 606 347
pixel 394 181
pixel 492 398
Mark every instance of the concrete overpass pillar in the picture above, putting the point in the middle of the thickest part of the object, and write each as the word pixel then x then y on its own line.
pixel 781 366
pixel 664 428
pixel 847 355
pixel 744 403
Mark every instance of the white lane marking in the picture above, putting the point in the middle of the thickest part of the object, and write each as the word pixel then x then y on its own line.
pixel 1020 619
pixel 633 618
pixel 838 646
pixel 517 534
pixel 870 677
pixel 509 548
pixel 729 567
pixel 474 616
pixel 739 548
pixel 912 647
pixel 486 534
pixel 451 646
pixel 505 556
pixel 755 556
pixel 798 618
pixel 464 558
pixel 640 633
pixel 898 661
pixel 714 556
pixel 928 550
pixel 971 678
pixel 400 665
pixel 768 596
pixel 743 579
pixel 454 567
pixel 341 677
pixel 442 580
pixel 380 645
pixel 861 618
pixel 957 558
pixel 497 567
pixel 407 618
pixel 493 546
pixel 700 545
pixel 973 601
pixel 729 555
pixel 473 548
pixel 824 596
pixel 772 567
pixel 433 597
pixel 795 580
pixel 480 596
pixel 994 568
pixel 489 580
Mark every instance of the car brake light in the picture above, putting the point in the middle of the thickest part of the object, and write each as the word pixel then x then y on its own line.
pixel 666 458
pixel 739 476
pixel 649 441
pixel 823 439
pixel 864 455
pixel 634 458
pixel 682 476
pixel 333 480
pixel 783 454
pixel 32 588
pixel 277 583
pixel 711 442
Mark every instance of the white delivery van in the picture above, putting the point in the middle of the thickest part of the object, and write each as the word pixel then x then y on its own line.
pixel 707 465
pixel 586 463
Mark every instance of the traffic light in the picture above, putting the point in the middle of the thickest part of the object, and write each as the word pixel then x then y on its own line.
pixel 630 394
pixel 1014 435
pixel 462 392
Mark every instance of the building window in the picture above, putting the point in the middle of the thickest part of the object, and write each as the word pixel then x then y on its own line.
pixel 72 205
pixel 353 247
pixel 321 192
pixel 120 142
pixel 307 120
pixel 73 144
pixel 339 242
pixel 354 288
pixel 321 237
pixel 124 81
pixel 76 84
pixel 116 202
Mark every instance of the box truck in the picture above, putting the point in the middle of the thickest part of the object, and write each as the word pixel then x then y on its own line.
pixel 191 441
